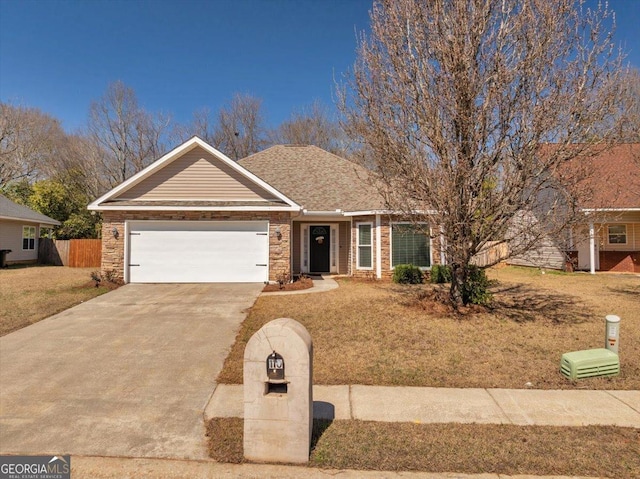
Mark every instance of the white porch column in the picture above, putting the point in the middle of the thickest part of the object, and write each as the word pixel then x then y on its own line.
pixel 378 247
pixel 442 255
pixel 592 248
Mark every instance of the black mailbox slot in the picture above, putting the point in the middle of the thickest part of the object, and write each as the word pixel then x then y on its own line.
pixel 275 367
pixel 277 388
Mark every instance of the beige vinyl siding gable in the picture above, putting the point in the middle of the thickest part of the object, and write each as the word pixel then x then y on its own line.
pixel 196 175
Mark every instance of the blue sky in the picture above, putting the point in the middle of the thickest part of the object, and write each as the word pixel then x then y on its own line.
pixel 180 56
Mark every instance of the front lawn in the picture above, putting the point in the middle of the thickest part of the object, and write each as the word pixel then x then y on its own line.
pixel 463 448
pixel 383 334
pixel 29 294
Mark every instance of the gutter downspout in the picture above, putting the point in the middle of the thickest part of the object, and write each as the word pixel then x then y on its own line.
pixel 592 248
pixel 443 258
pixel 378 247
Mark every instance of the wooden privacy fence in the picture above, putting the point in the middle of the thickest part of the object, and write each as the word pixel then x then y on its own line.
pixel 76 253
pixel 493 253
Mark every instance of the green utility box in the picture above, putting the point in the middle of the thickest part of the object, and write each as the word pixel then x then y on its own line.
pixel 589 363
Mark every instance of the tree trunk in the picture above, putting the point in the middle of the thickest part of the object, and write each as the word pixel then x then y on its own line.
pixel 459 279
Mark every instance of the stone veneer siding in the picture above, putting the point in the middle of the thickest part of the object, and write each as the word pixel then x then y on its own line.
pixel 385 242
pixel 113 248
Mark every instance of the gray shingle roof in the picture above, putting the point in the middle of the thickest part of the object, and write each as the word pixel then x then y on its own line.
pixel 314 178
pixel 11 210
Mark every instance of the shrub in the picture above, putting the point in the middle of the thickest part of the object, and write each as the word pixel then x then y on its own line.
pixel 95 277
pixel 407 274
pixel 440 273
pixel 476 291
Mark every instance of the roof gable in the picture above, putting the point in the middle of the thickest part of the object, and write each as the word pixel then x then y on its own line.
pixel 13 211
pixel 316 179
pixel 196 175
pixel 199 175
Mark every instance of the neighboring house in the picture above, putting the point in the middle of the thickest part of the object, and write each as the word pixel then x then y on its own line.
pixel 610 237
pixel 20 230
pixel 197 216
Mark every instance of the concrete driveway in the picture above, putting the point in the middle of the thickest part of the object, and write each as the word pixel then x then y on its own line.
pixel 126 374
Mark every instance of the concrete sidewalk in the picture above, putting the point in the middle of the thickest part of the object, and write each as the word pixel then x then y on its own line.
pixel 117 468
pixel 440 405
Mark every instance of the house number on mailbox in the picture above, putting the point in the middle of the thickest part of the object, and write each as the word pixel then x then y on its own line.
pixel 275 366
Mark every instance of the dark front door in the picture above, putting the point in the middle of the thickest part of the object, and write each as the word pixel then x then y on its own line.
pixel 319 248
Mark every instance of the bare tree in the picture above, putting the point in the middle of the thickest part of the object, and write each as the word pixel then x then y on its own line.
pixel 81 168
pixel 312 125
pixel 201 126
pixel 630 122
pixel 239 130
pixel 130 137
pixel 29 141
pixel 453 99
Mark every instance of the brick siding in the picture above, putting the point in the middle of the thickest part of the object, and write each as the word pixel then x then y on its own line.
pixel 620 261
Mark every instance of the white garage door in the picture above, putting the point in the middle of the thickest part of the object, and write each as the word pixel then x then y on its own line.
pixel 198 251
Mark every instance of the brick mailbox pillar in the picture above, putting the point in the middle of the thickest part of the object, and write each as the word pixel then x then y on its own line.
pixel 278 401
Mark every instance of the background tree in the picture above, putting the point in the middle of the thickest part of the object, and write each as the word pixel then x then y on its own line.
pixel 239 130
pixel 201 126
pixel 453 99
pixel 312 125
pixel 129 137
pixel 629 123
pixel 29 140
pixel 61 200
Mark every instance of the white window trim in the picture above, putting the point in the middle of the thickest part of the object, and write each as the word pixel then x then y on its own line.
pixel 391 224
pixel 378 246
pixel 358 245
pixel 626 234
pixel 35 237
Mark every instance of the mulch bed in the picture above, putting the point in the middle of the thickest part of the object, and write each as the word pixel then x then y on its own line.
pixel 298 284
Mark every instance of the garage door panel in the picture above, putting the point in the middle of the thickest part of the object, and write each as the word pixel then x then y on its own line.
pixel 198 252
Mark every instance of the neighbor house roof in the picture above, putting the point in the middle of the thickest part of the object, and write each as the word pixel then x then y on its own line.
pixel 315 179
pixel 615 178
pixel 13 211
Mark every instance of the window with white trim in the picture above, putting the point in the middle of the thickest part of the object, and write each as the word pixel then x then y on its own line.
pixel 410 244
pixel 28 237
pixel 617 234
pixel 365 246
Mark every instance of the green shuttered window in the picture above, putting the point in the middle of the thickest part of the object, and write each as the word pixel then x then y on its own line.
pixel 410 245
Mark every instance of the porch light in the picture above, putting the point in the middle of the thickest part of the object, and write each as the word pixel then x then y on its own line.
pixel 278 232
pixel 115 232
